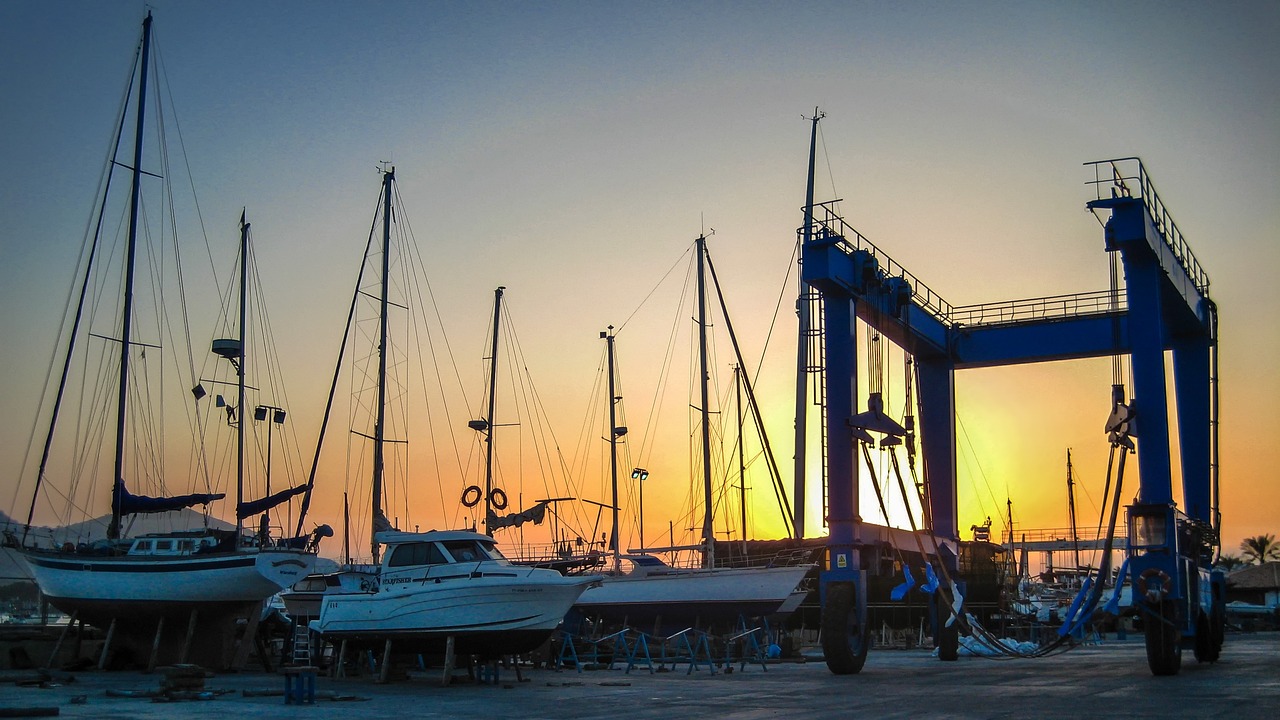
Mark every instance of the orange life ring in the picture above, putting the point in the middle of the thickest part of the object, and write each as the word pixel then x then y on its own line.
pixel 498 499
pixel 471 496
pixel 1154 581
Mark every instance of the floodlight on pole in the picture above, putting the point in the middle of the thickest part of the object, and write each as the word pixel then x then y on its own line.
pixel 640 474
pixel 277 418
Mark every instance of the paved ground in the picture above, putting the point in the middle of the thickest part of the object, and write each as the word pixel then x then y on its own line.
pixel 1109 680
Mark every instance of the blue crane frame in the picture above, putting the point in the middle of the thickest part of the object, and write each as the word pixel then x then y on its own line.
pixel 1165 306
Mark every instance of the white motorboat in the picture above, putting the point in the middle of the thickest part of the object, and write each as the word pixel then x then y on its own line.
pixel 440 584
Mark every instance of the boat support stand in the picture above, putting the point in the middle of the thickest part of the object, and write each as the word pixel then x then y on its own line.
pixel 191 631
pixel 155 646
pixel 106 645
pixel 62 637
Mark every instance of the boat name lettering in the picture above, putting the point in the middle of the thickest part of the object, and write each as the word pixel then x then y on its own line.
pixel 403 580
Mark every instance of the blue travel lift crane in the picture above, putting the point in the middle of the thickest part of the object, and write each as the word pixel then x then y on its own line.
pixel 1165 306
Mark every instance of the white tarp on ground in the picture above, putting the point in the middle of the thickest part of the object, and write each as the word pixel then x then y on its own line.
pixel 972 647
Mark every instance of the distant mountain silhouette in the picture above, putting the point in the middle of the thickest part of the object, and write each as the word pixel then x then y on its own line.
pixel 12 567
pixel 96 528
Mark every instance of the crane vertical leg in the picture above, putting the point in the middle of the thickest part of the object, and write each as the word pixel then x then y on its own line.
pixel 938 446
pixel 842 389
pixel 1191 388
pixel 938 443
pixel 845 636
pixel 1168 549
pixel 1150 402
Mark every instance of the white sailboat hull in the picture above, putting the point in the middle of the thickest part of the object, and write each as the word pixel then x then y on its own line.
pixel 135 587
pixel 689 596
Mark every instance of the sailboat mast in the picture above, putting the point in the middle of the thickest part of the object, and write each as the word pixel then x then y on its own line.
pixel 1071 506
pixel 614 545
pixel 708 530
pixel 742 455
pixel 493 384
pixel 346 530
pixel 379 428
pixel 126 316
pixel 244 302
pixel 802 342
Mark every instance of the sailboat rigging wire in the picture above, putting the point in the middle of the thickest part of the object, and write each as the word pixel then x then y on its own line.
pixel 169 208
pixel 780 492
pixel 620 328
pixel 528 407
pixel 664 372
pixel 826 155
pixel 337 374
pixel 575 468
pixel 777 310
pixel 162 76
pixel 416 280
pixel 92 235
pixel 982 473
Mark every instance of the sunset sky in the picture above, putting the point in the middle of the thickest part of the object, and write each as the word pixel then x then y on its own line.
pixel 572 152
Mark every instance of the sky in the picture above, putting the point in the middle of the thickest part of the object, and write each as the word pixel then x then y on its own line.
pixel 572 151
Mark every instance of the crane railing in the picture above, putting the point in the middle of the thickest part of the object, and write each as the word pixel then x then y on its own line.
pixel 1056 307
pixel 828 223
pixel 1118 176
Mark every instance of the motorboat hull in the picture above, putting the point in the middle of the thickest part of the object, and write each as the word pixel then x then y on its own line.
pixel 486 613
pixel 306 597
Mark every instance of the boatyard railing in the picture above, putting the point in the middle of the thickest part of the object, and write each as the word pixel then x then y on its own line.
pixel 1042 535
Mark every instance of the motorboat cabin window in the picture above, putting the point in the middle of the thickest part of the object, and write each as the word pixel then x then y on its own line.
pixel 417 553
pixel 142 546
pixel 164 545
pixel 472 551
pixel 310 584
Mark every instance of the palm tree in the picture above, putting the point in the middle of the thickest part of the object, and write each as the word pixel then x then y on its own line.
pixel 1229 562
pixel 1260 548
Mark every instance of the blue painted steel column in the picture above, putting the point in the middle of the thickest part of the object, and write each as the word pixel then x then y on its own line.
pixel 1191 387
pixel 938 442
pixel 842 467
pixel 1143 276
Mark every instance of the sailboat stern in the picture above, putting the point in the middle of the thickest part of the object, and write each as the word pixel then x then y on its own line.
pixel 281 568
